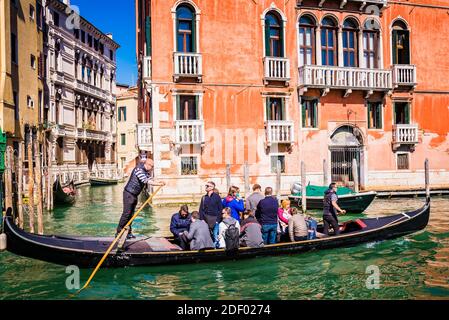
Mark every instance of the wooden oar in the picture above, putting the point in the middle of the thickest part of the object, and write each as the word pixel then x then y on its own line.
pixel 117 238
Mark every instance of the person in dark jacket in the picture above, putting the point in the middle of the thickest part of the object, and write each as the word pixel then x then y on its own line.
pixel 330 210
pixel 140 177
pixel 250 231
pixel 267 215
pixel 180 222
pixel 234 202
pixel 211 208
pixel 198 236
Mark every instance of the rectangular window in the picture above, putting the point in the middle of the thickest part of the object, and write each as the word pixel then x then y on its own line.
pixel 76 32
pixel 123 139
pixel 275 109
pixel 274 161
pixel 83 36
pixel 16 105
pixel 39 16
pixel 30 102
pixel 96 44
pixel 403 161
pixel 401 113
pixel 33 62
pixel 375 115
pixel 89 40
pixel 310 113
pixel 370 49
pixel 187 108
pixel 350 48
pixel 189 166
pixel 306 45
pixel 32 12
pixel 122 114
pixel 101 48
pixel 111 54
pixel 14 51
pixel 56 18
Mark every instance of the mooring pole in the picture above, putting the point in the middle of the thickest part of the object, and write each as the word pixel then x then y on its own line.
pixel 37 156
pixel 304 187
pixel 8 179
pixel 20 184
pixel 355 175
pixel 30 182
pixel 427 177
pixel 246 177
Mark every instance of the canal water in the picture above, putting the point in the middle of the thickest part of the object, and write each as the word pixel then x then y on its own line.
pixel 412 267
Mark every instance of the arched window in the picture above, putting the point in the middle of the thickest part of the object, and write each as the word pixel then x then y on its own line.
pixel 401 43
pixel 371 44
pixel 329 42
pixel 274 38
pixel 185 29
pixel 306 40
pixel 350 27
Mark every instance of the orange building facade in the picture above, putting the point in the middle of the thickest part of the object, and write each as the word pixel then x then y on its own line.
pixel 275 83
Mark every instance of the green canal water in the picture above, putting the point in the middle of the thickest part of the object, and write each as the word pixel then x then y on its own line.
pixel 412 267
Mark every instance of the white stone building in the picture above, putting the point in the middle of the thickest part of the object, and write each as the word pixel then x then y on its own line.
pixel 80 111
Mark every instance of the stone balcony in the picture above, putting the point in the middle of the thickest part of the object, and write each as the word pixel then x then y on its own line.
pixel 405 134
pixel 280 132
pixel 404 75
pixel 145 136
pixel 146 72
pixel 92 90
pixel 189 132
pixel 276 70
pixel 344 78
pixel 188 66
pixel 94 135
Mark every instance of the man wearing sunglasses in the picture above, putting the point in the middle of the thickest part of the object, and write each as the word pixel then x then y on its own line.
pixel 210 209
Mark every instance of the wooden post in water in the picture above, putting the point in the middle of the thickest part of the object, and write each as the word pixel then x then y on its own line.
pixel 20 184
pixel 228 177
pixel 355 175
pixel 278 178
pixel 8 179
pixel 37 156
pixel 325 174
pixel 304 187
pixel 30 182
pixel 49 177
pixel 246 178
pixel 427 177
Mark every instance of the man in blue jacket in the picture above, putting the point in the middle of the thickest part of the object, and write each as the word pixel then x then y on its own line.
pixel 267 215
pixel 140 177
pixel 180 222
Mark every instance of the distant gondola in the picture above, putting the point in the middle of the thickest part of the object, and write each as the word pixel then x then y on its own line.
pixel 65 195
pixel 352 203
pixel 86 252
pixel 97 182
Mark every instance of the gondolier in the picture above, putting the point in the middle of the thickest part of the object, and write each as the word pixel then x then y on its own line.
pixel 140 177
pixel 330 210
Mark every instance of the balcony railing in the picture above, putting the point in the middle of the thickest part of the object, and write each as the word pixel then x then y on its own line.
pixel 91 89
pixel 145 136
pixel 345 78
pixel 189 132
pixel 86 134
pixel 277 69
pixel 146 67
pixel 188 65
pixel 405 134
pixel 404 75
pixel 280 132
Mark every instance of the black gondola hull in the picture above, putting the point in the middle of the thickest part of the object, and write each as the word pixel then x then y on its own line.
pixel 356 203
pixel 62 198
pixel 87 252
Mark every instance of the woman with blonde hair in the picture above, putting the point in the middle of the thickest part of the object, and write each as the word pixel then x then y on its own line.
pixel 284 215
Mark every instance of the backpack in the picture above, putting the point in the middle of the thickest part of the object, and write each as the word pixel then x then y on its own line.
pixel 232 238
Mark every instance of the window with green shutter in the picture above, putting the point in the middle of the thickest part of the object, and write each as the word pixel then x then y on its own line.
pixel 401 113
pixel 375 115
pixel 275 109
pixel 274 35
pixel 123 139
pixel 309 113
pixel 187 107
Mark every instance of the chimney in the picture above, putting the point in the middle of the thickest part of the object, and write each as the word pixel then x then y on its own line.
pixel 109 35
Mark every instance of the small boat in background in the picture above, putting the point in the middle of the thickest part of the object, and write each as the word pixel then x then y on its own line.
pixel 97 182
pixel 347 199
pixel 64 194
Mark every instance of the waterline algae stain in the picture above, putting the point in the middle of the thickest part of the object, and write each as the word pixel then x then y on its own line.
pixel 412 267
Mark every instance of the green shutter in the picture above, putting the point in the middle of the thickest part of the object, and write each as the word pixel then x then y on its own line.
pixel 281 36
pixel 124 113
pixel 379 116
pixel 315 114
pixel 407 47
pixel 407 113
pixel 178 108
pixel 197 107
pixel 283 111
pixel 267 38
pixel 369 117
pixel 148 35
pixel 268 107
pixel 194 33
pixel 395 48
pixel 303 107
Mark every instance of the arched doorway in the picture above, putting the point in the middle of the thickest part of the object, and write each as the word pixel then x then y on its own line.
pixel 346 144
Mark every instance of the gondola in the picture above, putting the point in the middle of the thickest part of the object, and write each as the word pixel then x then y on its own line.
pixel 65 195
pixel 86 252
pixel 98 182
pixel 352 203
